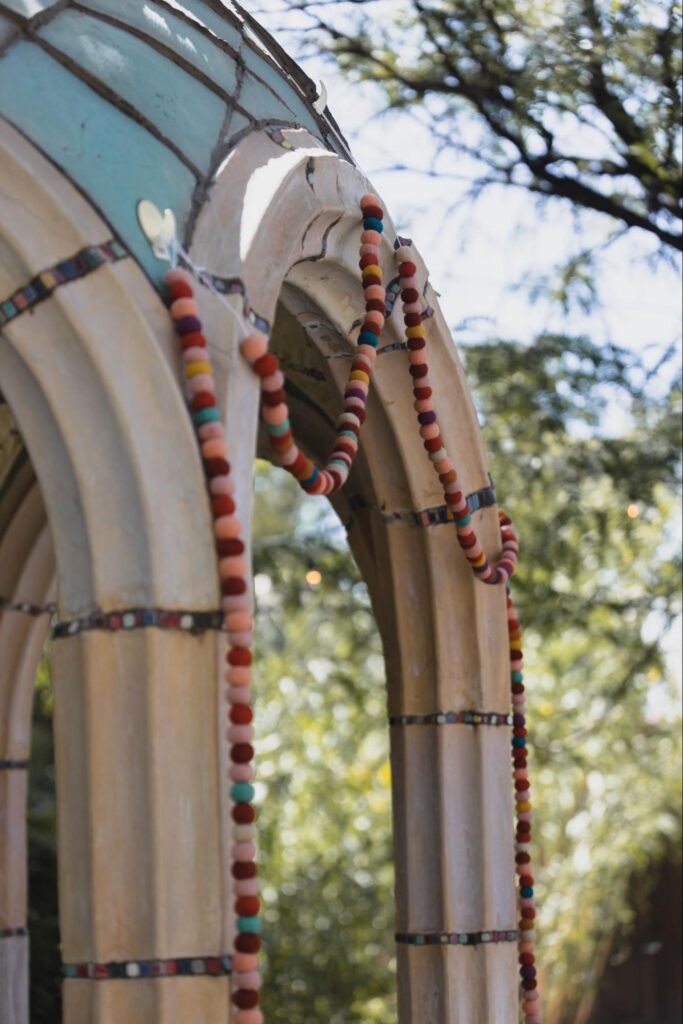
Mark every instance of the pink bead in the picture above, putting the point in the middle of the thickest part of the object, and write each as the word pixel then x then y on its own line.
pixel 418 357
pixel 244 851
pixel 522 773
pixel 375 291
pixel 240 733
pixel 208 430
pixel 371 238
pixel 242 772
pixel 318 487
pixel 250 980
pixel 410 282
pixel 526 947
pixel 354 403
pixel 276 414
pixel 227 527
pixel 254 346
pixel 430 431
pixel 235 565
pixel 274 382
pixel 360 385
pixel 526 816
pixel 246 887
pixel 202 382
pixel 289 458
pixel 238 694
pixel 370 199
pixel 368 351
pixel 239 620
pixel 241 638
pixel 375 317
pixel 243 962
pixel 222 485
pixel 369 249
pixel 248 1017
pixel 194 355
pixel 454 485
pixel 183 307
pixel 178 274
pixel 236 603
pixel 215 449
pixel 238 675
pixel 412 307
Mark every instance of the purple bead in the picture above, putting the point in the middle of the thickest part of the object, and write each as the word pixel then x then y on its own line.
pixel 427 418
pixel 355 393
pixel 519 719
pixel 188 325
pixel 529 973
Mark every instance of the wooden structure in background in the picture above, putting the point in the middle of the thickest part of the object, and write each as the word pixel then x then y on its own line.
pixel 189 104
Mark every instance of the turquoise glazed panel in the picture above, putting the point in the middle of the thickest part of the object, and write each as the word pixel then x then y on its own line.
pixel 7 29
pixel 222 26
pixel 111 158
pixel 298 109
pixel 237 125
pixel 158 23
pixel 27 8
pixel 262 104
pixel 180 107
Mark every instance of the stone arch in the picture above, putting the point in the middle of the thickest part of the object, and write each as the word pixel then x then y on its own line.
pixel 91 373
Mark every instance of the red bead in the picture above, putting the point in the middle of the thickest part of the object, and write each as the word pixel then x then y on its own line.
pixel 419 371
pixel 422 393
pixel 407 269
pixel 223 505
pixel 216 467
pixel 245 998
pixel 373 211
pixel 298 464
pixel 243 870
pixel 228 548
pixel 528 913
pixel 377 305
pixel 523 858
pixel 203 400
pixel 267 365
pixel 248 943
pixel 247 906
pixel 242 753
pixel 434 444
pixel 412 319
pixel 233 585
pixel 416 344
pixel 410 295
pixel 194 340
pixel 527 959
pixel 243 814
pixel 366 261
pixel 239 656
pixel 529 986
pixel 241 714
pixel 181 290
pixel 372 329
pixel 371 279
pixel 273 398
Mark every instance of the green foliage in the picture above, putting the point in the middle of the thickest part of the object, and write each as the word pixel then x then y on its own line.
pixel 575 99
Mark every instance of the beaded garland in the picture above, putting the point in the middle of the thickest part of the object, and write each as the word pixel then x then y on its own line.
pixel 236 601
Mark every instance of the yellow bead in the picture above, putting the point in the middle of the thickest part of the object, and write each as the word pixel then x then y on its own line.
pixel 194 369
pixel 480 562
pixel 416 332
pixel 360 375
pixel 524 806
pixel 372 271
pixel 515 645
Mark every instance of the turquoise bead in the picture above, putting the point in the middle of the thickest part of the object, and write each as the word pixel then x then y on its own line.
pixel 311 479
pixel 373 224
pixel 277 429
pixel 367 338
pixel 211 415
pixel 517 677
pixel 249 925
pixel 527 893
pixel 243 793
pixel 464 522
pixel 519 741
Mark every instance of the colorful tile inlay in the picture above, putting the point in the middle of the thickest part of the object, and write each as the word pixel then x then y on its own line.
pixel 43 284
pixel 227 286
pixel 133 970
pixel 456 938
pixel 141 618
pixel 13 933
pixel 438 516
pixel 13 765
pixel 473 718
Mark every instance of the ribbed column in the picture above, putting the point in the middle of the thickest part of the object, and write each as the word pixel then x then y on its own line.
pixel 140 819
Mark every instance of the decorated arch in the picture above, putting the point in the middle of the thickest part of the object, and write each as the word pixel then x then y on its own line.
pixel 108 529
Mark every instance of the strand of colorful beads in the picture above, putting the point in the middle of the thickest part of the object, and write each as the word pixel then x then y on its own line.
pixel 498 574
pixel 236 604
pixel 232 565
pixel 274 407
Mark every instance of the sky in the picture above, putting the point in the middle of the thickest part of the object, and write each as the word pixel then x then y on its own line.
pixel 484 258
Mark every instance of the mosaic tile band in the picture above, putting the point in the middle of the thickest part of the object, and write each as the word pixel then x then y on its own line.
pixel 135 970
pixel 26 608
pixel 13 933
pixel 140 618
pixel 13 765
pixel 456 938
pixel 440 515
pixel 473 718
pixel 42 285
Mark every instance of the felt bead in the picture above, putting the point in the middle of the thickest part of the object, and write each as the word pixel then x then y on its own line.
pixel 369 199
pixel 375 291
pixel 409 284
pixel 251 980
pixel 183 307
pixel 254 346
pixel 222 486
pixel 242 772
pixel 246 887
pixel 275 382
pixel 243 833
pixel 227 527
pixel 249 1017
pixel 249 925
pixel 243 851
pixel 248 943
pixel 370 249
pixel 247 906
pixel 245 999
pixel 242 753
pixel 202 382
pixel 243 962
pixel 407 269
pixel 412 307
pixel 240 734
pixel 188 325
pixel 403 254
pixel 371 238
pixel 241 714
